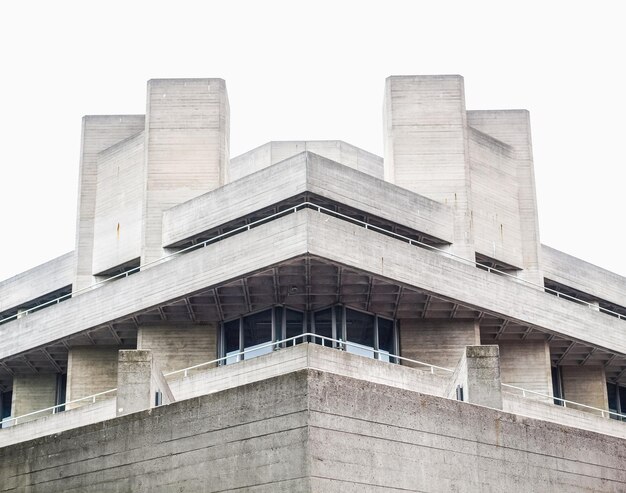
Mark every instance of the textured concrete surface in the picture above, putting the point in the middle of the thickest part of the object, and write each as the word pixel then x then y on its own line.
pixel 335 150
pixel 37 282
pixel 438 342
pixel 526 364
pixel 175 348
pixel 98 133
pixel 186 149
pixel 586 385
pixel 32 393
pixel 315 431
pixel 90 370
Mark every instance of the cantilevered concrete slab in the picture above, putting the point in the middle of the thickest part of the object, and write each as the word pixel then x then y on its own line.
pixel 308 232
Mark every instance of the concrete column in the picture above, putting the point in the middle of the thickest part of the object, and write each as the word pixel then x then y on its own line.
pixel 32 393
pixel 175 348
pixel 437 342
pixel 586 385
pixel 186 149
pixel 138 381
pixel 527 364
pixel 98 133
pixel 513 128
pixel 133 382
pixel 477 377
pixel 426 145
pixel 90 370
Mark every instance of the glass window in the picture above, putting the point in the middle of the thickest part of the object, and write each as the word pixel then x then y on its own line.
pixel 385 339
pixel 324 326
pixel 257 331
pixel 231 341
pixel 360 332
pixel 621 392
pixel 611 390
pixel 294 325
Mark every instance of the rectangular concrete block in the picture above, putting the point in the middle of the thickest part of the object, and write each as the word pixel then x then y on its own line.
pixel 33 393
pixel 90 370
pixel 476 378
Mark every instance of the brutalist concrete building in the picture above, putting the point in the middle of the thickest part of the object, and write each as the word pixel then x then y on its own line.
pixel 311 317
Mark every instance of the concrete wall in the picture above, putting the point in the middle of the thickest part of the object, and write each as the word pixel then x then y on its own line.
pixel 512 127
pixel 426 145
pixel 335 150
pixel 37 282
pixel 526 364
pixel 437 342
pixel 307 172
pixel 119 204
pixel 586 385
pixel 495 204
pixel 315 431
pixel 186 148
pixel 32 393
pixel 175 348
pixel 583 276
pixel 90 369
pixel 98 133
pixel 308 232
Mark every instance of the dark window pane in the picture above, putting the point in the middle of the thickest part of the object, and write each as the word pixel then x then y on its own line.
pixel 324 326
pixel 385 338
pixel 556 386
pixel 294 325
pixel 622 399
pixel 611 390
pixel 231 341
pixel 257 330
pixel 360 332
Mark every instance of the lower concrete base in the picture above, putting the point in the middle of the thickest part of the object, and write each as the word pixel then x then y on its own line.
pixel 311 431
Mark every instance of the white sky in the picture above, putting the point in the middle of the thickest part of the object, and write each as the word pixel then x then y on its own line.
pixel 314 70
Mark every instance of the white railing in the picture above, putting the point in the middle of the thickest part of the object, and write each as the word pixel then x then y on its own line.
pixel 239 356
pixel 305 337
pixel 320 209
pixel 90 399
pixel 603 412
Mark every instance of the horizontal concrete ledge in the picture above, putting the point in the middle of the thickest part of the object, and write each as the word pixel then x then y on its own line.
pixel 308 232
pixel 307 172
pixel 322 425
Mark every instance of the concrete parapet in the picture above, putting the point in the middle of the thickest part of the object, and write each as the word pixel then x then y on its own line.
pixel 477 377
pixel 315 431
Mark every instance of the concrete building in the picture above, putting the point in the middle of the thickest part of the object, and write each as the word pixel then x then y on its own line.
pixel 311 317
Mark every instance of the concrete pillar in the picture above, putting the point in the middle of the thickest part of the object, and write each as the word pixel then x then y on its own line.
pixel 426 145
pixel 90 370
pixel 477 377
pixel 186 149
pixel 138 382
pixel 527 364
pixel 32 393
pixel 513 128
pixel 437 342
pixel 175 348
pixel 98 133
pixel 586 385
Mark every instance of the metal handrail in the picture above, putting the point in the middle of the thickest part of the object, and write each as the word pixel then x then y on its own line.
pixel 337 344
pixel 565 401
pixel 284 342
pixel 91 398
pixel 185 371
pixel 320 209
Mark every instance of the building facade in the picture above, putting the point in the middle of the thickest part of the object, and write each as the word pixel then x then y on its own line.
pixel 309 316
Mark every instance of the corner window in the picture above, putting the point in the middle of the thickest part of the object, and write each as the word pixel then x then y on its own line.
pixel 355 331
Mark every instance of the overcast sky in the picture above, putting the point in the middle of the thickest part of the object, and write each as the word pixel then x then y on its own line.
pixel 314 70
